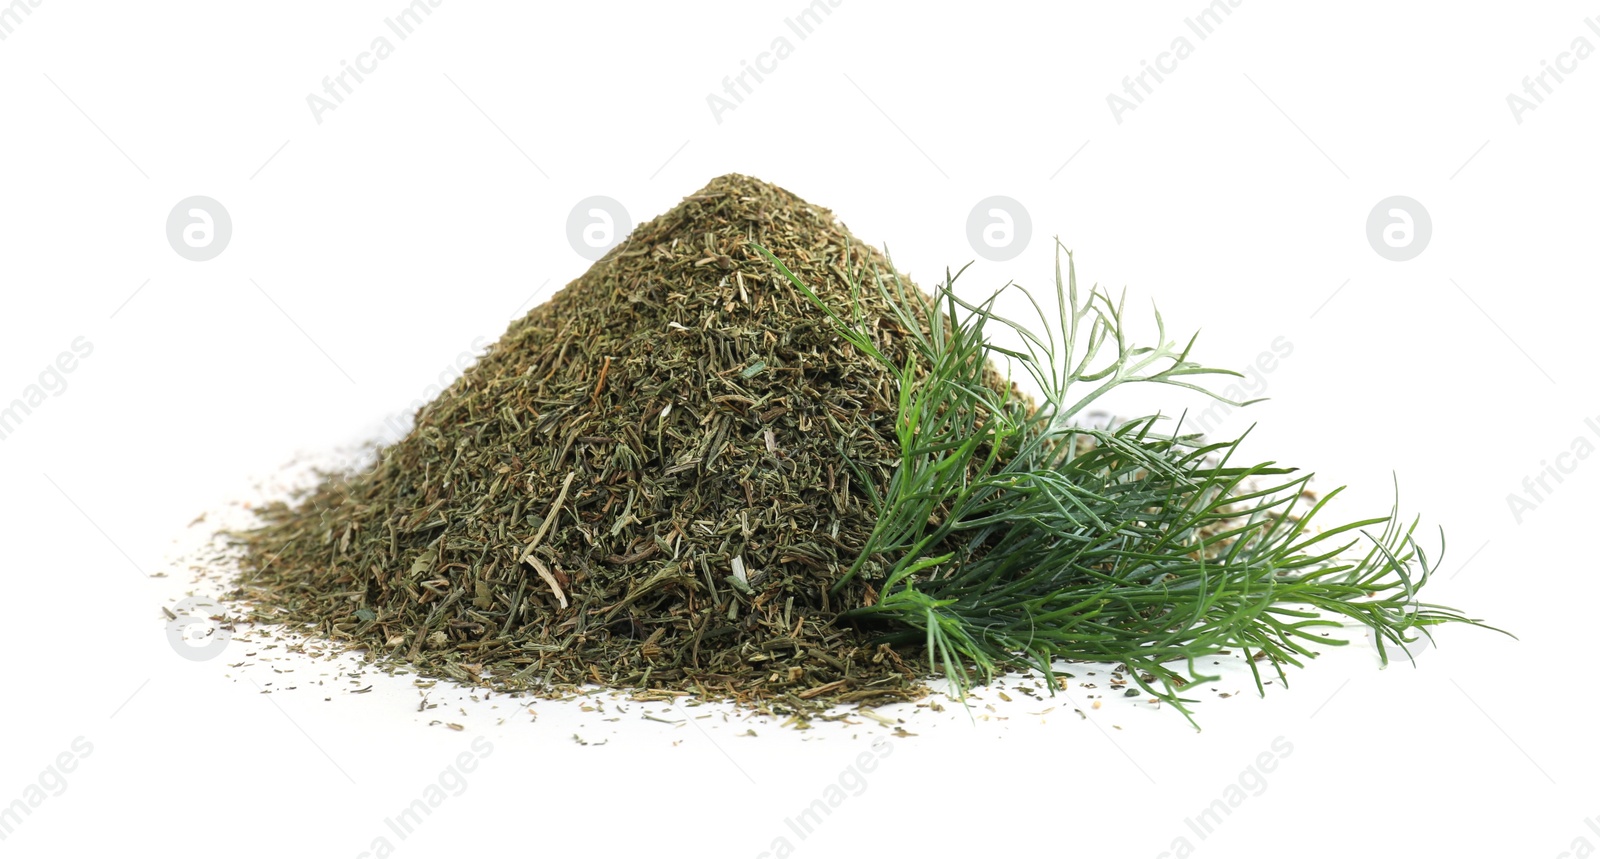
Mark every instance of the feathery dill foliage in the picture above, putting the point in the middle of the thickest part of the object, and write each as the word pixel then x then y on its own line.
pixel 1008 534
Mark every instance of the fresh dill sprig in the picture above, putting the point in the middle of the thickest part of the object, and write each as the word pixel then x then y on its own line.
pixel 1009 535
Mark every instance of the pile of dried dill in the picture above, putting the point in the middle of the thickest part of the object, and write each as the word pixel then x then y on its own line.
pixel 643 484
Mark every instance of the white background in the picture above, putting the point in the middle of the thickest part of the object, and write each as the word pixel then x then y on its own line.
pixel 430 208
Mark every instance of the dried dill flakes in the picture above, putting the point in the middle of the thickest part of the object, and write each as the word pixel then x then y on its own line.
pixel 741 454
pixel 652 480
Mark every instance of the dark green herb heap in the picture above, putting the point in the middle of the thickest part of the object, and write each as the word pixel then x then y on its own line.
pixel 643 484
pixel 740 434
